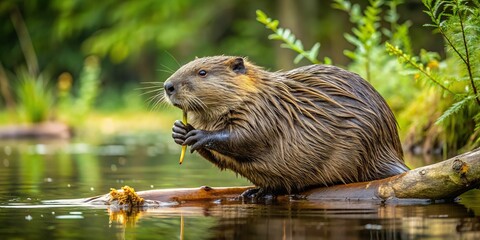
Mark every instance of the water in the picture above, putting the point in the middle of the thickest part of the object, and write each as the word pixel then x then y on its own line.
pixel 34 171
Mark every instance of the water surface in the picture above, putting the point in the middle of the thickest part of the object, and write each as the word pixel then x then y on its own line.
pixel 34 171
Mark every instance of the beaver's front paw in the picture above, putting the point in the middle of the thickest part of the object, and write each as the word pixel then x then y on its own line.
pixel 198 139
pixel 179 131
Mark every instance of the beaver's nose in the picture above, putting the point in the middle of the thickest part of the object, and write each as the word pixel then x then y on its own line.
pixel 169 88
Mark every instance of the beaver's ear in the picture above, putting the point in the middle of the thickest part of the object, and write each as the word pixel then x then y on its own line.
pixel 238 66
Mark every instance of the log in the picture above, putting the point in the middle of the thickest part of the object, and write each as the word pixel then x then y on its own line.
pixel 39 130
pixel 443 181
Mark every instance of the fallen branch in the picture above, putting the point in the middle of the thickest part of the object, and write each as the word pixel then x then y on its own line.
pixel 445 180
pixel 441 181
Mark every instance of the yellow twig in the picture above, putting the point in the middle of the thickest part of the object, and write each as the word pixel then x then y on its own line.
pixel 184 147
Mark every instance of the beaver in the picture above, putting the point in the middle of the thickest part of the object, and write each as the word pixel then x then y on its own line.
pixel 285 131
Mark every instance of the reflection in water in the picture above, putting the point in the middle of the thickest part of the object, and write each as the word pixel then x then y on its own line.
pixel 306 219
pixel 126 217
pixel 182 226
pixel 34 171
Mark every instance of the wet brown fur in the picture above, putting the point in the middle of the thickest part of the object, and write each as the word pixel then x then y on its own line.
pixel 288 131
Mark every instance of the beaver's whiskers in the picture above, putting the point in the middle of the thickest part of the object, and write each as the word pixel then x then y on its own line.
pixel 156 91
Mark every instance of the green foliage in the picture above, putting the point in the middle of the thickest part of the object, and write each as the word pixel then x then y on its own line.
pixel 36 97
pixel 397 34
pixel 33 96
pixel 369 58
pixel 366 36
pixel 414 63
pixel 459 24
pixel 458 76
pixel 90 82
pixel 126 27
pixel 74 109
pixel 390 65
pixel 456 108
pixel 290 41
pixel 131 38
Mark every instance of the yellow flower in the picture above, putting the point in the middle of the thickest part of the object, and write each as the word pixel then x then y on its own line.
pixel 433 64
pixel 65 82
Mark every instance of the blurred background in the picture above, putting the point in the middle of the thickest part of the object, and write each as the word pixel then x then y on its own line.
pixel 96 66
pixel 80 83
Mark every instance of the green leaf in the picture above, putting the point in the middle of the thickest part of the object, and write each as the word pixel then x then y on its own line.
pixel 261 16
pixel 350 54
pixel 314 51
pixel 353 40
pixel 274 36
pixel 298 58
pixel 280 32
pixel 342 5
pixel 286 34
pixel 327 60
pixel 299 44
pixel 289 39
pixel 273 25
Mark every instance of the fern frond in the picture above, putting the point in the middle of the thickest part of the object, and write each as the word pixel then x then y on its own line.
pixel 289 40
pixel 366 35
pixel 413 63
pixel 455 108
pixel 457 22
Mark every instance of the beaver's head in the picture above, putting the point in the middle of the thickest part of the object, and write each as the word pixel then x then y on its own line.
pixel 210 84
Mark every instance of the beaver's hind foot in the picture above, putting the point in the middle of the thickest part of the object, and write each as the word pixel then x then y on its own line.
pixel 257 195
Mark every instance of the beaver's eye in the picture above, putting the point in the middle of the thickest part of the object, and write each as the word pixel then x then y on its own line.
pixel 202 73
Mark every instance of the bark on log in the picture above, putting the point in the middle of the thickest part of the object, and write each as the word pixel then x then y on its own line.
pixel 441 181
